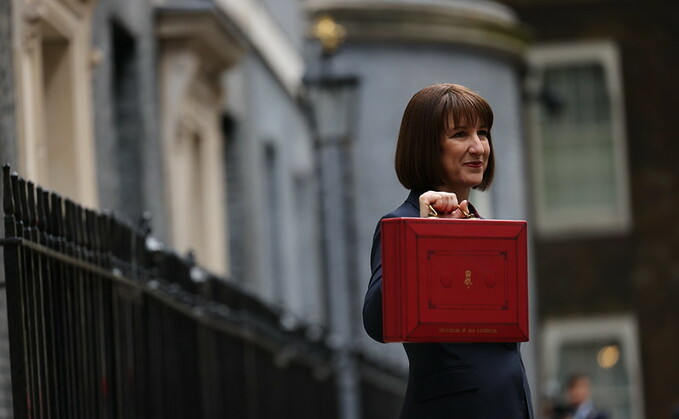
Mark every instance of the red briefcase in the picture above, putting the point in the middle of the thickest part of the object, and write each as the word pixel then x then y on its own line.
pixel 451 280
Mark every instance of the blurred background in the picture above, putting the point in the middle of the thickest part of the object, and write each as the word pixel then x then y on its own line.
pixel 260 134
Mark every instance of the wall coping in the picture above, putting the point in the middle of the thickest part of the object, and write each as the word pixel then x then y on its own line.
pixel 479 23
pixel 207 29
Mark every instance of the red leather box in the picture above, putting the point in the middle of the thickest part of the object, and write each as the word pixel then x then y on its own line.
pixel 450 280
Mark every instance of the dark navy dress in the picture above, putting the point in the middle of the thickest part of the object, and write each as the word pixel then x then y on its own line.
pixel 451 380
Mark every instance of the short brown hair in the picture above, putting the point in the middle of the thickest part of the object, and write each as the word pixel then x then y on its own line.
pixel 424 123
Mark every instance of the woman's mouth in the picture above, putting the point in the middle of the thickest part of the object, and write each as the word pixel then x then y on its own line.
pixel 474 164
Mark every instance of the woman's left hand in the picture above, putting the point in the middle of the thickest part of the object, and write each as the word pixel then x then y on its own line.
pixel 444 203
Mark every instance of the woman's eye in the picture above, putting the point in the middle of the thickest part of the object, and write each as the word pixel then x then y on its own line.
pixel 459 134
pixel 482 133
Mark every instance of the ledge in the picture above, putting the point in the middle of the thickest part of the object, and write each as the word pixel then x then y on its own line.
pixel 479 23
pixel 204 28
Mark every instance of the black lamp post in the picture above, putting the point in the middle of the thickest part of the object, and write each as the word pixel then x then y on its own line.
pixel 332 99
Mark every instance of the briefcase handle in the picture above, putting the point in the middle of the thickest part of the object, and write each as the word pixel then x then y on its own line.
pixel 434 214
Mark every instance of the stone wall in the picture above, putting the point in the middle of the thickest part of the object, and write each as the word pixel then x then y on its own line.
pixel 7 154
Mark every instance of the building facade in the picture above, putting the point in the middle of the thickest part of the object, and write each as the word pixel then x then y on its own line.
pixel 604 181
pixel 117 105
pixel 208 115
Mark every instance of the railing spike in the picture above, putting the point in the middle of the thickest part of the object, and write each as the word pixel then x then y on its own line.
pixel 56 219
pixel 30 201
pixel 23 203
pixel 16 198
pixel 78 225
pixel 44 210
pixel 7 199
pixel 90 239
pixel 40 210
pixel 68 220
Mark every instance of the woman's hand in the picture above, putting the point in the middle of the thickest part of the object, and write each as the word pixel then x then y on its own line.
pixel 445 204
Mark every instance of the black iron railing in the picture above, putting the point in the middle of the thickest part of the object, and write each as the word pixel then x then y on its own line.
pixel 103 324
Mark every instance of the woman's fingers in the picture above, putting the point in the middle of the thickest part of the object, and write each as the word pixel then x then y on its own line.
pixel 426 200
pixel 444 203
pixel 462 210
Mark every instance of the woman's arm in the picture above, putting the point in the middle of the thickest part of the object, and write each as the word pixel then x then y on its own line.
pixel 372 305
pixel 448 206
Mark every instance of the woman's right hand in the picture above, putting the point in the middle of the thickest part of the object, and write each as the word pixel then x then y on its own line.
pixel 445 204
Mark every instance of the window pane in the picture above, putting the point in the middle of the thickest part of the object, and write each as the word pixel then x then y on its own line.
pixel 604 363
pixel 127 123
pixel 275 243
pixel 577 140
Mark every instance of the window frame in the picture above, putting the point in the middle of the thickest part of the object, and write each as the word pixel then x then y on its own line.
pixel 72 25
pixel 197 118
pixel 623 328
pixel 581 223
pixel 196 45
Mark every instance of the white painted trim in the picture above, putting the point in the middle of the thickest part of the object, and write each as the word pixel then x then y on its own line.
pixel 190 101
pixel 73 26
pixel 623 328
pixel 270 41
pixel 576 223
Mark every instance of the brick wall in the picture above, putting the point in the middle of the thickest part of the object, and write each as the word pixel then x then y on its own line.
pixel 637 272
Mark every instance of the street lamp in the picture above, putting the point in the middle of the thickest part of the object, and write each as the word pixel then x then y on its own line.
pixel 329 33
pixel 331 100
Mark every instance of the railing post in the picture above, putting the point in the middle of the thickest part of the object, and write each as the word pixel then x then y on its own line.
pixel 17 338
pixel 50 310
pixel 110 378
pixel 70 286
pixel 31 307
pixel 36 297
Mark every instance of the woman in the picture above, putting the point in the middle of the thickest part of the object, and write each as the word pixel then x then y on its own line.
pixel 444 150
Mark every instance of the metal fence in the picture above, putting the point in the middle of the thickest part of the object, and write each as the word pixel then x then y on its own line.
pixel 103 324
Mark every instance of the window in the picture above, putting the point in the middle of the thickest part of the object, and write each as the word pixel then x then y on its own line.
pixel 604 348
pixel 274 242
pixel 311 296
pixel 189 189
pixel 237 209
pixel 194 168
pixel 578 140
pixel 127 122
pixel 55 131
pixel 196 46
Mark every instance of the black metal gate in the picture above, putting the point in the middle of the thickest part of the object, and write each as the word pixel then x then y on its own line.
pixel 103 324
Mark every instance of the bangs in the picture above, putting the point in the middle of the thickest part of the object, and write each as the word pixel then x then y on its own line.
pixel 470 109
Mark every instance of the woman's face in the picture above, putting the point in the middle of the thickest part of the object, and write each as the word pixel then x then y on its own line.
pixel 464 152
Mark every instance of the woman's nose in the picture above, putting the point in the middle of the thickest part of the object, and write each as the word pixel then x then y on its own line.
pixel 475 147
